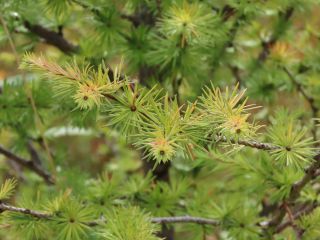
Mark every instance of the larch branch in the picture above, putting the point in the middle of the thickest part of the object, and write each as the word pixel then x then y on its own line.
pixel 185 219
pixel 51 37
pixel 33 213
pixel 177 219
pixel 31 165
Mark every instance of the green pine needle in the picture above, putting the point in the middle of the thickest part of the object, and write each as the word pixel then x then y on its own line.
pixel 7 188
pixel 296 149
pixel 129 224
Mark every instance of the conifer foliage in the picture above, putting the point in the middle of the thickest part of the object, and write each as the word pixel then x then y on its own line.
pixel 164 119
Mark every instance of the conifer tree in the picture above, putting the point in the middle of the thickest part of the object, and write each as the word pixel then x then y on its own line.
pixel 159 119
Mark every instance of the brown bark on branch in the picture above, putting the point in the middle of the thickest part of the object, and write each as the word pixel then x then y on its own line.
pixel 178 219
pixel 311 173
pixel 33 213
pixel 249 143
pixel 51 37
pixel 296 216
pixel 31 165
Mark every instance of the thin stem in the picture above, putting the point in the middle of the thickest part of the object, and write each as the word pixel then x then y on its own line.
pixel 249 143
pixel 33 213
pixel 296 188
pixel 13 48
pixel 31 165
pixel 185 219
pixel 159 220
pixel 308 98
pixel 296 216
pixel 266 46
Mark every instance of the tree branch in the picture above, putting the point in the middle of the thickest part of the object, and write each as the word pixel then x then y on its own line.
pixel 31 165
pixel 300 89
pixel 308 98
pixel 236 74
pixel 296 216
pixel 51 37
pixel 160 220
pixel 311 173
pixel 249 143
pixel 33 213
pixel 185 219
pixel 266 46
